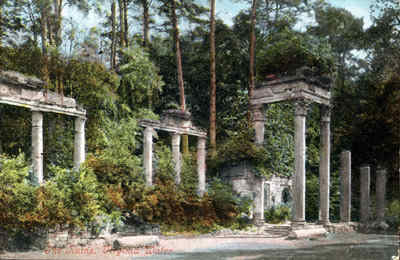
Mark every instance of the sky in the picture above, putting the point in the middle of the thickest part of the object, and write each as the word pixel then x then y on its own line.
pixel 227 9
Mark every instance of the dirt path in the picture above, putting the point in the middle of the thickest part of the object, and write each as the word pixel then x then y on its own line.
pixel 172 246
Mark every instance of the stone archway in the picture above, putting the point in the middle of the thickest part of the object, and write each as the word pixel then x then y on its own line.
pixel 303 89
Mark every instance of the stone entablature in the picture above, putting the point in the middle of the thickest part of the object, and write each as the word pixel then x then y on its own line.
pixel 19 90
pixel 291 88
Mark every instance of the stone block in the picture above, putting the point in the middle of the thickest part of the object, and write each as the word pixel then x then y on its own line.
pixel 306 233
pixel 135 242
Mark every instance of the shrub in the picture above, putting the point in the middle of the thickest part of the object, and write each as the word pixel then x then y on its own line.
pixel 277 215
pixel 393 213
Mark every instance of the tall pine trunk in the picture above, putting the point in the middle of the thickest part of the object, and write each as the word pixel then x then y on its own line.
pixel 113 35
pixel 252 52
pixel 58 22
pixel 146 23
pixel 126 29
pixel 43 33
pixel 121 23
pixel 213 86
pixel 185 138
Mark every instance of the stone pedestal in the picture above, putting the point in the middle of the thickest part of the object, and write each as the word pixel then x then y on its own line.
pixel 380 193
pixel 201 165
pixel 148 155
pixel 37 145
pixel 324 165
pixel 365 178
pixel 79 142
pixel 345 186
pixel 176 156
pixel 300 161
pixel 258 119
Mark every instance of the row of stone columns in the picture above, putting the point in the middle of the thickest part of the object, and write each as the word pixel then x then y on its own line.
pixel 301 108
pixel 365 182
pixel 37 143
pixel 176 156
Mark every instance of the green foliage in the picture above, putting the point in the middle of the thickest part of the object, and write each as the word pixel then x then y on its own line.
pixel 312 198
pixel 393 213
pixel 69 199
pixel 279 138
pixel 239 146
pixel 276 215
pixel 140 82
pixel 17 196
pixel 287 51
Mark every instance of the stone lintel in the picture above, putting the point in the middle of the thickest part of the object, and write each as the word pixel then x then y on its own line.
pixel 173 129
pixel 290 89
pixel 39 100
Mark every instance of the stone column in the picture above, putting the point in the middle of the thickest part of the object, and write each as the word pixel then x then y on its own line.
pixel 148 155
pixel 201 165
pixel 258 118
pixel 324 165
pixel 79 142
pixel 258 217
pixel 37 145
pixel 176 155
pixel 300 162
pixel 345 186
pixel 365 178
pixel 380 193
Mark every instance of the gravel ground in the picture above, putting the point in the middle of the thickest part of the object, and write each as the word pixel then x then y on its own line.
pixel 171 247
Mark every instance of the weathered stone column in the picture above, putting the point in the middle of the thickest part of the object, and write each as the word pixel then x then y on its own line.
pixel 324 165
pixel 345 186
pixel 365 178
pixel 380 193
pixel 201 165
pixel 300 162
pixel 79 142
pixel 148 155
pixel 37 145
pixel 176 155
pixel 258 118
pixel 258 217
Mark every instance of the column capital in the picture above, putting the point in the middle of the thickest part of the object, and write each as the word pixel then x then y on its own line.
pixel 381 169
pixel 325 114
pixel 257 113
pixel 301 107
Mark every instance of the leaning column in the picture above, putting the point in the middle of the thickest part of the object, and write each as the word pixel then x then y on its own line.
pixel 148 155
pixel 37 145
pixel 201 165
pixel 380 193
pixel 176 156
pixel 324 165
pixel 258 118
pixel 345 186
pixel 300 160
pixel 365 178
pixel 79 142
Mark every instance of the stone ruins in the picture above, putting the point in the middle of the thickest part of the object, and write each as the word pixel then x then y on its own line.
pixel 303 88
pixel 28 92
pixel 177 123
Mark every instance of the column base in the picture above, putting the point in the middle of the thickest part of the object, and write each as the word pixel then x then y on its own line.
pixel 324 222
pixel 298 223
pixel 259 222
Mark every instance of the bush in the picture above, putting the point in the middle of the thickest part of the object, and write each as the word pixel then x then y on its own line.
pixel 277 215
pixel 393 213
